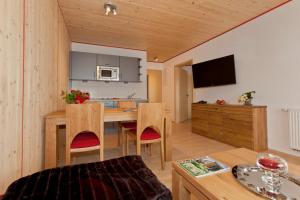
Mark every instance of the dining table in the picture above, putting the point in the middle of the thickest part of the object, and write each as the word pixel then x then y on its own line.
pixel 55 119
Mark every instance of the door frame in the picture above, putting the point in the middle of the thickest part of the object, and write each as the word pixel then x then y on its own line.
pixel 176 100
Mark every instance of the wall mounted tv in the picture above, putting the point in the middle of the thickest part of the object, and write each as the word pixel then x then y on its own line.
pixel 220 71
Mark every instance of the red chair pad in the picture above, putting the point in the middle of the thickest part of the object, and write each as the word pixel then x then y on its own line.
pixel 85 139
pixel 130 125
pixel 148 134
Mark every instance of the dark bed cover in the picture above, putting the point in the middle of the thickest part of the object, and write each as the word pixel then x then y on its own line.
pixel 122 178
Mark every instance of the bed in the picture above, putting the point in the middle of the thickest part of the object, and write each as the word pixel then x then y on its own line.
pixel 121 178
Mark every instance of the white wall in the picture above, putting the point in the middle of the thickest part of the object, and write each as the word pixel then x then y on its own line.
pixel 155 66
pixel 267 53
pixel 113 89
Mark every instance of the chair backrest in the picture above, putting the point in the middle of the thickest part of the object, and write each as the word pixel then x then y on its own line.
pixel 127 104
pixel 150 115
pixel 84 117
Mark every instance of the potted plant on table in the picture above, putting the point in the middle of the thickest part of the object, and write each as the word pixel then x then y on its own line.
pixel 246 98
pixel 75 96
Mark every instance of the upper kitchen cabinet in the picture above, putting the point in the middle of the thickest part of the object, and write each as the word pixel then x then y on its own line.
pixel 129 69
pixel 83 66
pixel 107 60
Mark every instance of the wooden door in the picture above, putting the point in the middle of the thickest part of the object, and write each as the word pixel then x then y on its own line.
pixel 155 86
pixel 183 96
pixel 190 93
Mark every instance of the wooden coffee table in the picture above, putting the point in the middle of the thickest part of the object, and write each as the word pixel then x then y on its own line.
pixel 219 186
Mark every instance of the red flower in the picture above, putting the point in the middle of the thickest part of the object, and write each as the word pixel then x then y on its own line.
pixel 79 98
pixel 76 96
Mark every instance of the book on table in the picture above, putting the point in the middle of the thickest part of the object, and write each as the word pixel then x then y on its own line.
pixel 203 166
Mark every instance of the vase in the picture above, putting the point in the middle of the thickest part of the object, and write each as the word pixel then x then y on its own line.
pixel 248 102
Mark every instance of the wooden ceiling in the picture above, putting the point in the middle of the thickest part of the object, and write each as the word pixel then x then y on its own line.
pixel 164 28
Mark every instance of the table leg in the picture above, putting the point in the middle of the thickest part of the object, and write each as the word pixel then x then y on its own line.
pixel 50 144
pixel 182 189
pixel 168 138
pixel 179 192
pixel 175 184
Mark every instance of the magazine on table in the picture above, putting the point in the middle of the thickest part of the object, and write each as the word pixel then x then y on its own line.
pixel 203 166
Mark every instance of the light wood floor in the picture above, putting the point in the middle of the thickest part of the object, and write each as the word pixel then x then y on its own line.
pixel 185 145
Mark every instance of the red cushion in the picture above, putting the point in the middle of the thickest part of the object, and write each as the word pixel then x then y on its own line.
pixel 130 125
pixel 85 139
pixel 148 134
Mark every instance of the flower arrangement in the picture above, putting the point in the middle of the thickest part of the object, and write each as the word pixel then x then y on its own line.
pixel 75 96
pixel 246 98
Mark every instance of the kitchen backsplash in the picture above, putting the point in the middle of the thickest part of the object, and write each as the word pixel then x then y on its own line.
pixel 99 89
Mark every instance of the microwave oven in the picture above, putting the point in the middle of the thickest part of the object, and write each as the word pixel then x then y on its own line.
pixel 106 73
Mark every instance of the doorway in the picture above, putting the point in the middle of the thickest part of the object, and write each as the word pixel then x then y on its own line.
pixel 183 91
pixel 154 86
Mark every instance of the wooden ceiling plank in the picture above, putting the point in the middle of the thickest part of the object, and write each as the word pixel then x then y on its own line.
pixel 163 28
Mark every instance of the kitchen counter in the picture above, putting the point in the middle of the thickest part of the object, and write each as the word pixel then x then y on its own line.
pixel 119 99
pixel 113 102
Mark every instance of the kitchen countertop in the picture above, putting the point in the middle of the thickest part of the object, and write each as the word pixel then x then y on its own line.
pixel 118 99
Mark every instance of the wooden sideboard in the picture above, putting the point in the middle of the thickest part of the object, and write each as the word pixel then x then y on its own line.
pixel 237 125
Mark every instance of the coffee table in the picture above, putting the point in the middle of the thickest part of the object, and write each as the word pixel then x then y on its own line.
pixel 219 186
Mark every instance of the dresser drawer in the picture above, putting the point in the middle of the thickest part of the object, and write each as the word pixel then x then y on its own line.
pixel 241 110
pixel 214 118
pixel 237 139
pixel 207 107
pixel 237 117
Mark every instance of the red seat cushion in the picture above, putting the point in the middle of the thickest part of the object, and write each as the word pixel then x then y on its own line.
pixel 129 125
pixel 85 139
pixel 148 134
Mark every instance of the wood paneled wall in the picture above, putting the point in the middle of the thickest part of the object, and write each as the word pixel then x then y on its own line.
pixel 46 68
pixel 64 43
pixel 40 87
pixel 11 48
pixel 46 63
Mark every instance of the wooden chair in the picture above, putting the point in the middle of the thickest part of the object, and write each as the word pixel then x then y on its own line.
pixel 84 129
pixel 124 126
pixel 127 104
pixel 150 128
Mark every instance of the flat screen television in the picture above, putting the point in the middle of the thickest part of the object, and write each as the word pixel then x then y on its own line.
pixel 220 71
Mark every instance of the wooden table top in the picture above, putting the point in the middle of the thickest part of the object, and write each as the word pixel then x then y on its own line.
pixel 62 113
pixel 224 185
pixel 110 115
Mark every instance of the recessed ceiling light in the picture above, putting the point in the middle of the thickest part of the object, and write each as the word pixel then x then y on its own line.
pixel 156 59
pixel 110 8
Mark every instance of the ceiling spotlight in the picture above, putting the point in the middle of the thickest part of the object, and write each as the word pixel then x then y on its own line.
pixel 156 59
pixel 110 8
